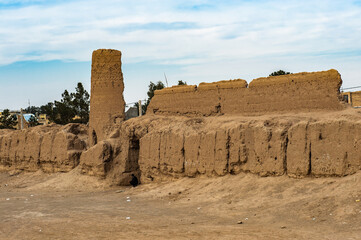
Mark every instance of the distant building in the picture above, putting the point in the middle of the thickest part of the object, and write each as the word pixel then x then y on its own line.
pixel 352 98
pixel 132 112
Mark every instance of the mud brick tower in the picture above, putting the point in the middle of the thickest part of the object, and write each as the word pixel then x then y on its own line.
pixel 106 99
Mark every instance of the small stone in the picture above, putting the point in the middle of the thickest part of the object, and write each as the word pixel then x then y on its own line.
pixel 239 222
pixel 119 191
pixel 283 227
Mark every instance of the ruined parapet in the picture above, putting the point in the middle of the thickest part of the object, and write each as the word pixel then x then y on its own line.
pixel 301 92
pixel 106 99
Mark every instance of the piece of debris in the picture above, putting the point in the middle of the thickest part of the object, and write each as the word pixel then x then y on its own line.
pixel 246 219
pixel 198 208
pixel 313 219
pixel 31 195
pixel 7 199
pixel 357 200
pixel 128 200
pixel 283 227
pixel 239 222
pixel 119 191
pixel 127 218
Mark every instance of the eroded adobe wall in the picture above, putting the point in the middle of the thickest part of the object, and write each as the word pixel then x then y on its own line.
pixel 287 93
pixel 106 99
pixel 51 148
pixel 265 147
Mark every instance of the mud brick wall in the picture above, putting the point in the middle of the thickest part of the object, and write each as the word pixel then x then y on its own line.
pixel 49 148
pixel 286 93
pixel 106 99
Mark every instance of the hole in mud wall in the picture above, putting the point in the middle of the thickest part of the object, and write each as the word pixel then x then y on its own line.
pixel 94 138
pixel 132 164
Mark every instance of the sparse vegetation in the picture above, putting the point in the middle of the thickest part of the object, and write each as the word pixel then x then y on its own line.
pixel 279 72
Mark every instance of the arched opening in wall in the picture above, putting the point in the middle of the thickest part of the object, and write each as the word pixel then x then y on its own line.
pixel 94 138
pixel 132 165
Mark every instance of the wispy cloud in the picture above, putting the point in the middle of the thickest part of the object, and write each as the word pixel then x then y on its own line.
pixel 202 37
pixel 71 29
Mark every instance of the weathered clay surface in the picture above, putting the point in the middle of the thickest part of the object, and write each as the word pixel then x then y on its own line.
pixel 287 93
pixel 106 101
pixel 157 147
pixel 50 148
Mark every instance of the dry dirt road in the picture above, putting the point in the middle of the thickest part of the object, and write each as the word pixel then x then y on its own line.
pixel 72 206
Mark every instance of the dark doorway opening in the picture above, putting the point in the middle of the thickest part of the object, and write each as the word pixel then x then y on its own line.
pixel 132 164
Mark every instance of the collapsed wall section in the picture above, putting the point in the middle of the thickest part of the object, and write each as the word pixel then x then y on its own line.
pixel 106 99
pixel 293 92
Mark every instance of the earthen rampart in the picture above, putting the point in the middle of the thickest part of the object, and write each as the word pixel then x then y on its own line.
pixel 286 93
pixel 51 148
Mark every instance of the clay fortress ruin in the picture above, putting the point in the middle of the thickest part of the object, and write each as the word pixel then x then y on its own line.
pixel 291 125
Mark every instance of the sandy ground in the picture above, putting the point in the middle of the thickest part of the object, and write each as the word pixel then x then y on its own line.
pixel 245 206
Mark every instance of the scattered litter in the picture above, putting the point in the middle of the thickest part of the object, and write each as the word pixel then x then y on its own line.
pixel 313 219
pixel 198 208
pixel 39 230
pixel 330 214
pixel 127 218
pixel 239 222
pixel 119 191
pixel 246 219
pixel 128 200
pixel 7 199
pixel 357 200
pixel 31 195
pixel 128 197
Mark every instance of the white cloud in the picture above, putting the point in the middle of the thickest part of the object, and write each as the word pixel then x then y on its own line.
pixel 213 38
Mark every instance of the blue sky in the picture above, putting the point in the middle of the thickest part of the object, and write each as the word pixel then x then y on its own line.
pixel 46 46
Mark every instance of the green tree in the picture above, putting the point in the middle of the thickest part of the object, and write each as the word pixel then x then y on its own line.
pixel 48 109
pixel 180 82
pixel 32 109
pixel 279 72
pixel 151 89
pixel 81 102
pixel 7 120
pixel 64 110
pixel 33 121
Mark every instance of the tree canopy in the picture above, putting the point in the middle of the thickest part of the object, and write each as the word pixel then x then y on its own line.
pixel 7 120
pixel 279 72
pixel 64 111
